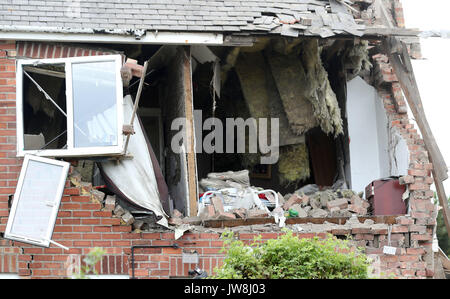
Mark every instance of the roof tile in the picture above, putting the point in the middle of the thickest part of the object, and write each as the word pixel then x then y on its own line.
pixel 184 15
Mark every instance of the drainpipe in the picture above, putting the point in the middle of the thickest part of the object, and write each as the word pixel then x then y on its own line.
pixel 175 246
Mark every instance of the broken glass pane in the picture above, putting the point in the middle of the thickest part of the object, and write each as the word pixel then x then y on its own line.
pixel 44 121
pixel 94 104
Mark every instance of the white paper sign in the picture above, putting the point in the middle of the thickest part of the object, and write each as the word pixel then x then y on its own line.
pixel 389 250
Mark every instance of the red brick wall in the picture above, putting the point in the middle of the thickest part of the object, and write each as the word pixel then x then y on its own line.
pixel 422 218
pixel 9 165
pixel 398 13
pixel 82 224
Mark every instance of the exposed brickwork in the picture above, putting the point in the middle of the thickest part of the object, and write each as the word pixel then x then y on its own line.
pixel 83 224
pixel 52 50
pixel 398 14
pixel 419 179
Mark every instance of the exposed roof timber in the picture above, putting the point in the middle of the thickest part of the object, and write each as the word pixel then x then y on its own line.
pixel 377 33
pixel 386 31
pixel 19 33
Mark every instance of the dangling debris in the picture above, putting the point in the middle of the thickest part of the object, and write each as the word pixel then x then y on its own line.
pixel 305 89
pixel 290 79
pixel 356 59
pixel 261 95
pixel 318 91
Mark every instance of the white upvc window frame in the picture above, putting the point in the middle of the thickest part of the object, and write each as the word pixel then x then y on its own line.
pixel 70 151
pixel 46 240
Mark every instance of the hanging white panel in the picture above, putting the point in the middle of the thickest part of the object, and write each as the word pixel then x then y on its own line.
pixel 362 130
pixel 135 178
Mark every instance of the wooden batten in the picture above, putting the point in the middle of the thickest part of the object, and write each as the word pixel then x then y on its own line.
pixel 190 153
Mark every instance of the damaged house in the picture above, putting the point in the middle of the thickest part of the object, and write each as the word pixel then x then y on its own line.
pixel 148 129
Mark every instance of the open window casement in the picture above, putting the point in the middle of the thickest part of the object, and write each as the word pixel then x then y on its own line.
pixel 70 106
pixel 36 201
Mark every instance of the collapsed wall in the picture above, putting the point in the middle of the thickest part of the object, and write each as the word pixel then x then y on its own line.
pixel 85 220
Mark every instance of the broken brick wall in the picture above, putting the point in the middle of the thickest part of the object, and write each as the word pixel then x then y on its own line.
pixel 83 223
pixel 422 212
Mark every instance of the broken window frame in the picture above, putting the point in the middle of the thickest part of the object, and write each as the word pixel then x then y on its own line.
pixel 46 240
pixel 70 150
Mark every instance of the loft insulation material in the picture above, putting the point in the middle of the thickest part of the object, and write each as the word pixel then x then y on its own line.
pixel 251 72
pixel 305 89
pixel 261 95
pixel 289 76
pixel 318 90
pixel 135 178
pixel 357 59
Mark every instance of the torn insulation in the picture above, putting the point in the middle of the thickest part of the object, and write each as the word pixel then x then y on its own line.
pixel 356 59
pixel 318 91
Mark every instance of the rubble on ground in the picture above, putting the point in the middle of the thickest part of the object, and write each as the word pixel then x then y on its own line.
pixel 310 201
pixel 238 200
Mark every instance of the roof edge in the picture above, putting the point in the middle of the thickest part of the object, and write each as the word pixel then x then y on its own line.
pixel 131 36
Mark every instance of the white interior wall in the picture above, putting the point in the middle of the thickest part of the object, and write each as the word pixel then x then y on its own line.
pixel 362 130
pixel 382 125
pixel 376 150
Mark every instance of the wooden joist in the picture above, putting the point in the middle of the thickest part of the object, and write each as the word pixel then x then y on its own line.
pixel 377 32
pixel 402 66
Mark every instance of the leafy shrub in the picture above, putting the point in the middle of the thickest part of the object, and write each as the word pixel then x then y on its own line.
pixel 289 257
pixel 92 258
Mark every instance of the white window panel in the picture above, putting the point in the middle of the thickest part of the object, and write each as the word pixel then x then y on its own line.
pixel 94 106
pixel 36 200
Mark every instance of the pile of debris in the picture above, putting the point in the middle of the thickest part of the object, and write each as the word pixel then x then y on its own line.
pixel 310 202
pixel 229 196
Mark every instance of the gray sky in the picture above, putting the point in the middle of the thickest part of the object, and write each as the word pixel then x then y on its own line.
pixel 432 72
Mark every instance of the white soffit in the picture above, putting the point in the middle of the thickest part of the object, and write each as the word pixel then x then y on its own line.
pixel 116 36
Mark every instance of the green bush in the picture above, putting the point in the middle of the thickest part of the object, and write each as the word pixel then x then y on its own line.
pixel 289 257
pixel 92 258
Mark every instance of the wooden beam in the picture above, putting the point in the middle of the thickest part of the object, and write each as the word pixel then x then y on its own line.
pixel 136 104
pixel 190 134
pixel 401 63
pixel 390 32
